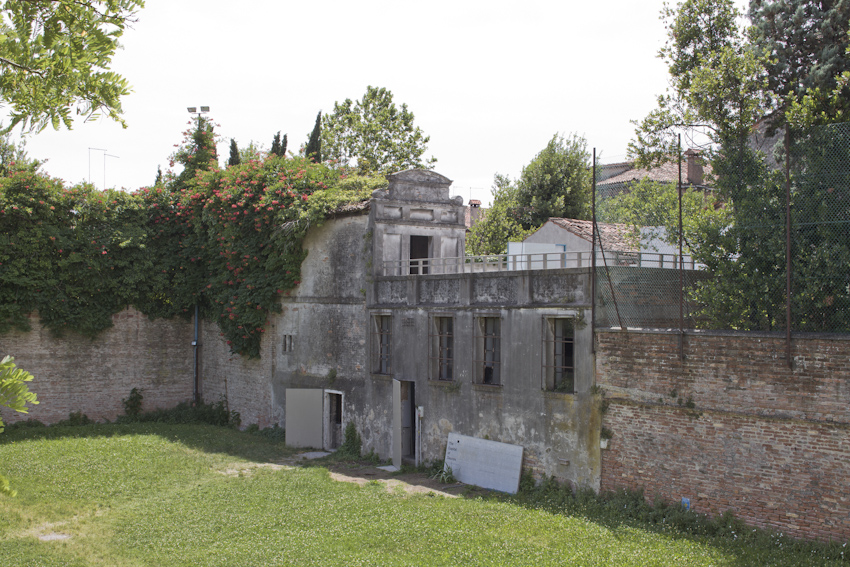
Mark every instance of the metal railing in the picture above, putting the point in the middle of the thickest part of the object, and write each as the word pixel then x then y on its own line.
pixel 535 261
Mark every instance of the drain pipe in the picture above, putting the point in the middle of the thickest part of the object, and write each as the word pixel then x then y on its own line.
pixel 196 396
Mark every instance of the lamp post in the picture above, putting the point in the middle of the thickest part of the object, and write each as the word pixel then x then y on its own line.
pixel 196 391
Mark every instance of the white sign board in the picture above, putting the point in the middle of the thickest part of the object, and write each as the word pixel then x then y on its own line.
pixel 484 463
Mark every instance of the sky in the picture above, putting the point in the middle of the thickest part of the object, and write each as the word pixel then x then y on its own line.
pixel 490 82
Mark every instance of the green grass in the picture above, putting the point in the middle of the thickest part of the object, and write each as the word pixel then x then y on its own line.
pixel 156 494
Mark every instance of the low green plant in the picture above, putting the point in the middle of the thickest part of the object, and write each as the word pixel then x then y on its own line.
pixel 351 444
pixel 606 433
pixel 133 403
pixel 76 419
pixel 444 475
pixel 186 412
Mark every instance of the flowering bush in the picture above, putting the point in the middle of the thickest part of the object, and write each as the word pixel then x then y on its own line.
pixel 228 240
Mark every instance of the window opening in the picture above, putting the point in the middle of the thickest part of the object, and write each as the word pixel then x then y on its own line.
pixel 443 348
pixel 419 246
pixel 488 351
pixel 559 363
pixel 382 344
pixel 288 345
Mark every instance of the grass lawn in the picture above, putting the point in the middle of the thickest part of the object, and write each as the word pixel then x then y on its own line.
pixel 155 494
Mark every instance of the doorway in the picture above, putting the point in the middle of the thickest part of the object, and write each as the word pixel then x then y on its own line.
pixel 419 253
pixel 404 423
pixel 333 420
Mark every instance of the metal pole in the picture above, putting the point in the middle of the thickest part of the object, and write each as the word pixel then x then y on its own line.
pixel 593 260
pixel 788 246
pixel 196 396
pixel 681 265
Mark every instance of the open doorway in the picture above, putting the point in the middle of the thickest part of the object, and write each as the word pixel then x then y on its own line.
pixel 404 423
pixel 419 252
pixel 333 420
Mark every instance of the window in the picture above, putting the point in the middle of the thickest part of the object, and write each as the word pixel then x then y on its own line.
pixel 442 348
pixel 287 344
pixel 488 350
pixel 419 247
pixel 558 363
pixel 382 344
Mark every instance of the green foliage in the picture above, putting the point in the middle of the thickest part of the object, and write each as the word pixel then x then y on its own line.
pixel 314 144
pixel 275 433
pixel 444 476
pixel 227 240
pixel 718 82
pixel 185 412
pixel 806 43
pixel 655 206
pixel 55 57
pixel 14 393
pixel 234 154
pixel 75 419
pixel 278 145
pixel 372 135
pixel 556 183
pixel 133 403
pixel 351 444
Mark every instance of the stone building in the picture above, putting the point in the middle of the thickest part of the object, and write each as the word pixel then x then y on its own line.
pixel 394 330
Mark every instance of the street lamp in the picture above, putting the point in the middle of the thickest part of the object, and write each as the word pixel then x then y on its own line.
pixel 196 393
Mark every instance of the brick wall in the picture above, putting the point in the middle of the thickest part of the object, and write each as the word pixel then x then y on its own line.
pixel 243 382
pixel 769 442
pixel 75 373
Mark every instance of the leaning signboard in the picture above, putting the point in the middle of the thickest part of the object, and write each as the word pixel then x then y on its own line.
pixel 484 463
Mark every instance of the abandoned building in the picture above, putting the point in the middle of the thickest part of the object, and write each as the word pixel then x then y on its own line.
pixel 394 329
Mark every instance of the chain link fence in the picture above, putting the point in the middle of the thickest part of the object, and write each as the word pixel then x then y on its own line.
pixel 760 242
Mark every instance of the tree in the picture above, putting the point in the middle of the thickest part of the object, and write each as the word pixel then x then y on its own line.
pixel 14 395
pixel 234 154
pixel 278 146
pixel 500 224
pixel 556 183
pixel 718 84
pixel 198 152
pixel 806 42
pixel 55 57
pixel 314 145
pixel 373 135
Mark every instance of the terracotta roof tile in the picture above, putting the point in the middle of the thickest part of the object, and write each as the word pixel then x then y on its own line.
pixel 614 236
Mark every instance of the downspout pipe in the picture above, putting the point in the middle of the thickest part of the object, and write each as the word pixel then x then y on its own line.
pixel 196 395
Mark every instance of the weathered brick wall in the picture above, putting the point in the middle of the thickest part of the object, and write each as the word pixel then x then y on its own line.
pixel 768 442
pixel 75 373
pixel 243 382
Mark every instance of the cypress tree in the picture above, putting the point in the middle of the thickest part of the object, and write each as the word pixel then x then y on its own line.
pixel 283 146
pixel 314 146
pixel 275 151
pixel 234 154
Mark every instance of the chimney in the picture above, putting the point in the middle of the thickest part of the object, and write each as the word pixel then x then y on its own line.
pixel 695 171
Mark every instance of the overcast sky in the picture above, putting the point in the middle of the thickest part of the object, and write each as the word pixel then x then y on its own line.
pixel 489 82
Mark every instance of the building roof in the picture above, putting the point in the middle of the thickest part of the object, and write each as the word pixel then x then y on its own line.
pixel 614 236
pixel 664 173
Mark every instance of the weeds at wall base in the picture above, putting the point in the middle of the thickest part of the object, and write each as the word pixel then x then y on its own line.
pixel 613 509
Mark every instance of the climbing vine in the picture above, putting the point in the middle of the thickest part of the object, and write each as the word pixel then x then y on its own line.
pixel 228 240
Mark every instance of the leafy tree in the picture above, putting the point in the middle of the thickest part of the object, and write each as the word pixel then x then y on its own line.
pixel 718 85
pixel 55 57
pixel 278 145
pixel 234 153
pixel 314 145
pixel 651 204
pixel 556 183
pixel 500 224
pixel 198 152
pixel 374 135
pixel 14 395
pixel 805 41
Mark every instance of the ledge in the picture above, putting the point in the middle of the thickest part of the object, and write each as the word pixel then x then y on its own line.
pixel 558 395
pixel 489 388
pixel 382 377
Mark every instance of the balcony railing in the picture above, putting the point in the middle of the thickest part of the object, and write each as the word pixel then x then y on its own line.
pixel 538 261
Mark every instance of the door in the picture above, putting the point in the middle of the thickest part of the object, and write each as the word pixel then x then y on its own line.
pixel 404 422
pixel 304 412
